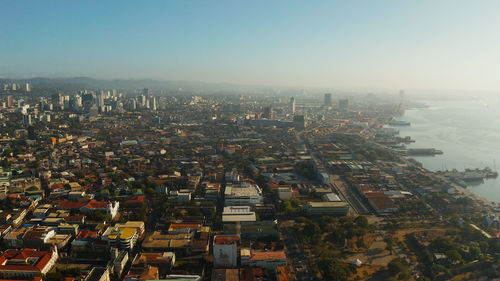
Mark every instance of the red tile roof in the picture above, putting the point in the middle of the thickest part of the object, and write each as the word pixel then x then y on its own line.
pixel 226 239
pixel 38 265
pixel 92 204
pixel 70 205
pixel 268 255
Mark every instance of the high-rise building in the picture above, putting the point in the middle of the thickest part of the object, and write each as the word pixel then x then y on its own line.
pixel 343 104
pixel 55 99
pixel 10 101
pixel 299 121
pixel 292 105
pixel 31 133
pixel 328 99
pixel 27 120
pixel 14 86
pixel 100 100
pixel 78 102
pixel 268 112
pixel 28 87
pixel 153 103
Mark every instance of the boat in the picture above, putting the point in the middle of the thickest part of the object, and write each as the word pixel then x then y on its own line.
pixel 423 151
pixel 399 123
pixel 472 176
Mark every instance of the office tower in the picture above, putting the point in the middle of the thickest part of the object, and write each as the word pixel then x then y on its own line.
pixel 14 87
pixel 78 102
pixel 134 104
pixel 10 101
pixel 299 121
pixel 28 87
pixel 61 101
pixel 328 99
pixel 42 105
pixel 145 91
pixel 292 105
pixel 143 101
pixel 343 104
pixel 93 111
pixel 153 105
pixel 55 99
pixel 268 112
pixel 27 120
pixel 100 100
pixel 31 133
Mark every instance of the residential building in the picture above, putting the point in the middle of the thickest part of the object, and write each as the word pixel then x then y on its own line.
pixel 237 214
pixel 268 259
pixel 326 208
pixel 226 251
pixel 243 194
pixel 26 263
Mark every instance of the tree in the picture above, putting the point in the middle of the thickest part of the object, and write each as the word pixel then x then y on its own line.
pixel 390 244
pixel 397 265
pixel 454 256
pixel 332 269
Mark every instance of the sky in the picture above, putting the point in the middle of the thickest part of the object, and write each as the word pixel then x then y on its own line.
pixel 372 44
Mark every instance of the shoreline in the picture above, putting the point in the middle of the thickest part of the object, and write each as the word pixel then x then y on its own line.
pixel 462 190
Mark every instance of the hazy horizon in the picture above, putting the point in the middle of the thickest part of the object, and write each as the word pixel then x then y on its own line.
pixel 385 45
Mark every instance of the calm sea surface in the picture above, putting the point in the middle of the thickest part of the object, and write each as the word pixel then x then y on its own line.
pixel 468 133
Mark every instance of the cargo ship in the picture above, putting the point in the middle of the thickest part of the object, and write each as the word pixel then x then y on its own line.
pixel 470 175
pixel 398 123
pixel 423 151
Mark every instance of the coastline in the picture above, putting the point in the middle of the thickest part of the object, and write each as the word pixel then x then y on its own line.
pixel 433 123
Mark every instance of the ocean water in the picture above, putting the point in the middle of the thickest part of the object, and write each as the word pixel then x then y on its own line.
pixel 468 133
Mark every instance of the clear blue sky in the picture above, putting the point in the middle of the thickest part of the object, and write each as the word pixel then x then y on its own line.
pixel 338 44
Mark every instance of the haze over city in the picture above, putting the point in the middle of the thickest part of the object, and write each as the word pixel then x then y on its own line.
pixel 147 140
pixel 345 45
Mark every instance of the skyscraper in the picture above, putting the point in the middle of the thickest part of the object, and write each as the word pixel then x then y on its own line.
pixel 27 120
pixel 292 105
pixel 153 103
pixel 268 112
pixel 55 99
pixel 31 133
pixel 100 100
pixel 10 101
pixel 343 104
pixel 299 121
pixel 28 87
pixel 328 99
